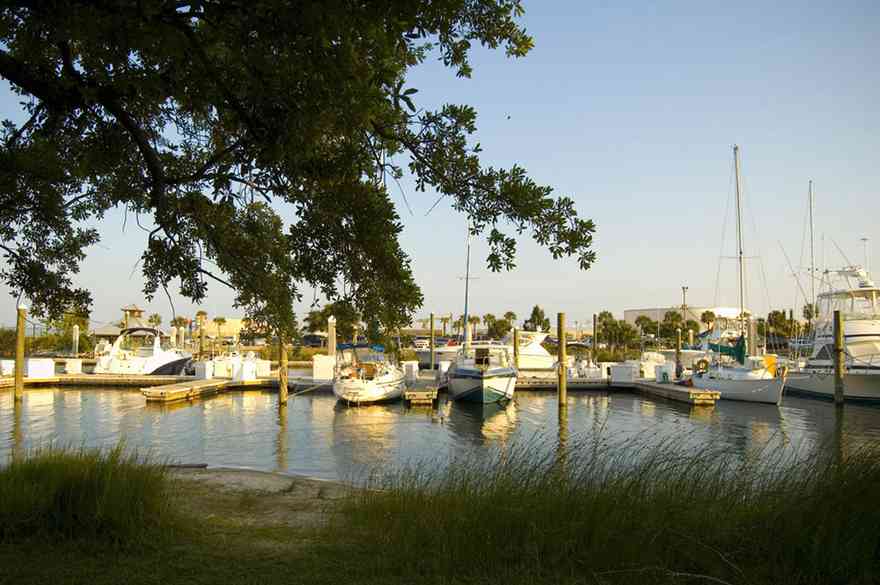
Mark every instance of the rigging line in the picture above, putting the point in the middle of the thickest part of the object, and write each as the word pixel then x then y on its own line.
pixel 723 234
pixel 757 238
pixel 790 267
pixel 435 205
pixel 839 249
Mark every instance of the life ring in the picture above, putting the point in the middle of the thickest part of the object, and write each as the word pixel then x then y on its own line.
pixel 702 365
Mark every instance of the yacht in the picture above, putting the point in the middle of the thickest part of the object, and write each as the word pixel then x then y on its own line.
pixel 852 292
pixel 364 375
pixel 482 373
pixel 139 350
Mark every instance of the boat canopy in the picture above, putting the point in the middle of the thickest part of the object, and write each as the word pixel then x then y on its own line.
pixel 378 347
pixel 738 351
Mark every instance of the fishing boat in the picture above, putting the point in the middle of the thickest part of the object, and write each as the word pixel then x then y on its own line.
pixel 364 375
pixel 482 373
pixel 733 373
pixel 852 292
pixel 139 350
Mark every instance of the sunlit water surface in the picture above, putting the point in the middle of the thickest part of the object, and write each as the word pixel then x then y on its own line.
pixel 316 436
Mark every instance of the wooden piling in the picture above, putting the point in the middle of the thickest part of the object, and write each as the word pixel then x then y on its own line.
pixel 74 340
pixel 432 342
pixel 839 363
pixel 562 374
pixel 19 352
pixel 201 337
pixel 331 336
pixel 678 368
pixel 516 348
pixel 595 343
pixel 282 371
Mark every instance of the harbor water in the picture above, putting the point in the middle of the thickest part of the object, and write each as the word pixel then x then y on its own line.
pixel 316 436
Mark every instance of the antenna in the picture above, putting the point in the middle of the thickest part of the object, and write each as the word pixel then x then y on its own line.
pixel 865 241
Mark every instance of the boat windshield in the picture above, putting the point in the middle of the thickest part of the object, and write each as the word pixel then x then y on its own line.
pixel 853 304
pixel 484 355
pixel 360 355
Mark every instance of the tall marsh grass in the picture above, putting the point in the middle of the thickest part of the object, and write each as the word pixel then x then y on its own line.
pixel 110 495
pixel 626 513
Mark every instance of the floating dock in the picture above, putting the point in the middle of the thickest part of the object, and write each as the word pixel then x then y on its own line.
pixel 119 380
pixel 686 394
pixel 185 390
pixel 420 396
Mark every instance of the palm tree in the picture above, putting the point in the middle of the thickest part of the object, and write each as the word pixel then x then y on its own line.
pixel 510 317
pixel 708 318
pixel 155 320
pixel 444 320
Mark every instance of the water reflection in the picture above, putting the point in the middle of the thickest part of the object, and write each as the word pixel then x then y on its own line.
pixel 315 435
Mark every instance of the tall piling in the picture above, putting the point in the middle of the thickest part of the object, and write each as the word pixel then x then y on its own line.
pixel 331 336
pixel 431 348
pixel 201 337
pixel 74 340
pixel 516 348
pixel 19 352
pixel 678 368
pixel 282 371
pixel 594 344
pixel 839 363
pixel 562 358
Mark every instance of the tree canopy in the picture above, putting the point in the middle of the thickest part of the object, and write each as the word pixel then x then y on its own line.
pixel 253 142
pixel 537 321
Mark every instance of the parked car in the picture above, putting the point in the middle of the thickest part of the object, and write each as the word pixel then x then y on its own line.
pixel 311 340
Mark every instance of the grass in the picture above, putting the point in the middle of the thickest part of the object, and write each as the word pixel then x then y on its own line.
pixel 594 513
pixel 112 496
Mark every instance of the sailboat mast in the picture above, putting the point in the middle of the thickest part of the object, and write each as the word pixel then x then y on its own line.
pixel 812 259
pixel 467 280
pixel 739 243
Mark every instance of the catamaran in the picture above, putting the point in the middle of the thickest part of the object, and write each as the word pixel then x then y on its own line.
pixel 364 375
pixel 746 378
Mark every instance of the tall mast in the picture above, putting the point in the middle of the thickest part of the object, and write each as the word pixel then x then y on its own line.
pixel 739 244
pixel 812 259
pixel 467 279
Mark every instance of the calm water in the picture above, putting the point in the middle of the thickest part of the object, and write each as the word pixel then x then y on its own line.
pixel 321 438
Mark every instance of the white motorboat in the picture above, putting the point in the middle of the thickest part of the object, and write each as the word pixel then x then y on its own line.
pixel 139 350
pixel 852 292
pixel 748 378
pixel 482 373
pixel 365 375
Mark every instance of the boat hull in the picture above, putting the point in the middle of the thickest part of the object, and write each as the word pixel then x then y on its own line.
pixel 857 387
pixel 357 391
pixel 485 387
pixel 763 390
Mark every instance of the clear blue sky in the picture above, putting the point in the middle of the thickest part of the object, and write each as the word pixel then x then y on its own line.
pixel 631 109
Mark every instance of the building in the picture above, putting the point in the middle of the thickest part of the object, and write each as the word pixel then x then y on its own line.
pixel 691 312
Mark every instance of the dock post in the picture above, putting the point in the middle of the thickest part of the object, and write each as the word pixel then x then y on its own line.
pixel 201 337
pixel 691 338
pixel 331 336
pixel 562 373
pixel 678 368
pixel 432 342
pixel 516 347
pixel 282 371
pixel 74 340
pixel 839 364
pixel 595 342
pixel 19 352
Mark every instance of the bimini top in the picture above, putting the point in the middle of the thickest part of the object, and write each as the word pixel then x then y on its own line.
pixel 374 346
pixel 132 330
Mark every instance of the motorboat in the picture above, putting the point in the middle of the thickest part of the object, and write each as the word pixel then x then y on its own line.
pixel 444 350
pixel 852 292
pixel 482 373
pixel 364 375
pixel 139 350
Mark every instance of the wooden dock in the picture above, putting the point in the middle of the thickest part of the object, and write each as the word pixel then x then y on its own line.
pixel 185 390
pixel 425 396
pixel 686 394
pixel 118 380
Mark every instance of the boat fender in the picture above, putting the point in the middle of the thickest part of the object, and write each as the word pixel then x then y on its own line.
pixel 702 365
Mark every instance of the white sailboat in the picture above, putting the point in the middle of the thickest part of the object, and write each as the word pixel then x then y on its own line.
pixel 753 378
pixel 481 372
pixel 365 375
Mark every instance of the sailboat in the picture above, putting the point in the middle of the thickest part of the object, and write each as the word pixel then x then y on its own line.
pixel 481 372
pixel 741 377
